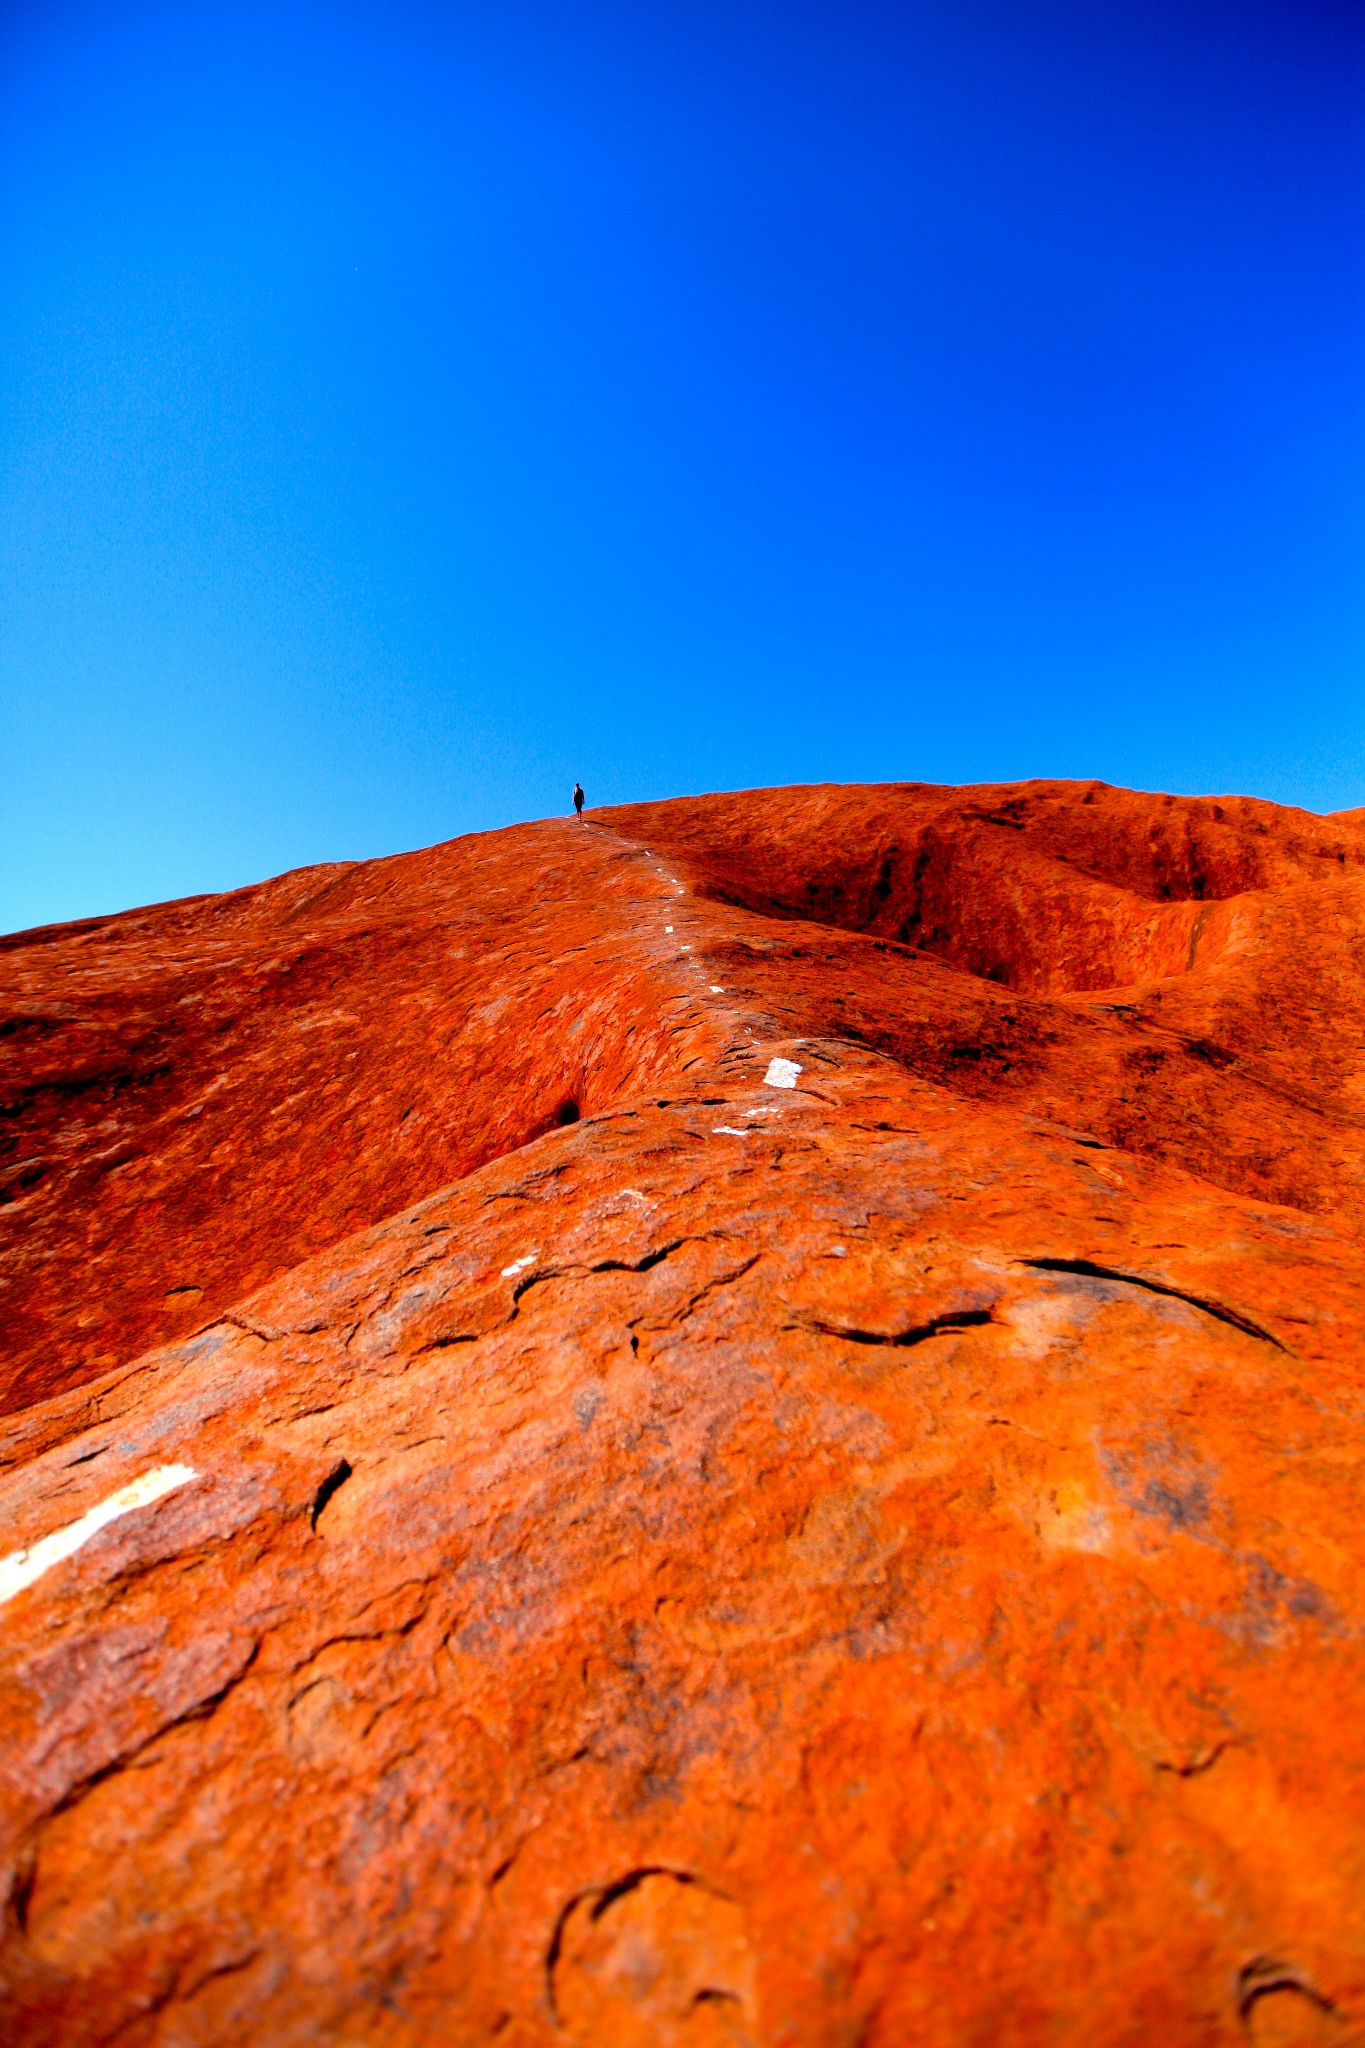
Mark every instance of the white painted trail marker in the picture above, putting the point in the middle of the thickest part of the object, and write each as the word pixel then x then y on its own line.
pixel 22 1567
pixel 781 1074
pixel 728 1131
pixel 716 989
pixel 518 1266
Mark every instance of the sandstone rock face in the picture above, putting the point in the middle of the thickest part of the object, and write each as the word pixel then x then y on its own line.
pixel 739 1423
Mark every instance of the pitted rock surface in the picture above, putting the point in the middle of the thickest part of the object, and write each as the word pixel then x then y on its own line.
pixel 671 1558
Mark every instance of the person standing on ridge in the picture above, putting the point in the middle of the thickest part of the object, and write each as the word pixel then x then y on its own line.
pixel 578 798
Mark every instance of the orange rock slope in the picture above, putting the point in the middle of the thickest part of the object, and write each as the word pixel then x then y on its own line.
pixel 739 1423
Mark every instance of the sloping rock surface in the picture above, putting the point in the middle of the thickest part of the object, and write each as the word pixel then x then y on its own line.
pixel 745 1422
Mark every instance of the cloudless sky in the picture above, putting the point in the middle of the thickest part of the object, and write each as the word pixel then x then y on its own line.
pixel 405 409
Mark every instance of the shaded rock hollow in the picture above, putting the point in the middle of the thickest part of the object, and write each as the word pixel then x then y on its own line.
pixel 672 1558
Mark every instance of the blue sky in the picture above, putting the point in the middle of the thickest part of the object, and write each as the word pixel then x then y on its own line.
pixel 405 409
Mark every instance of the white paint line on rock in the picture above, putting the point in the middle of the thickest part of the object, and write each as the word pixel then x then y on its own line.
pixel 518 1266
pixel 22 1567
pixel 668 927
pixel 781 1074
pixel 728 1131
pixel 716 989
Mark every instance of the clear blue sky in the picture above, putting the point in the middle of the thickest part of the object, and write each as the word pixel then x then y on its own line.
pixel 406 409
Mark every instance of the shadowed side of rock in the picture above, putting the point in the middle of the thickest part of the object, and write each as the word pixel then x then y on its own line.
pixel 205 1094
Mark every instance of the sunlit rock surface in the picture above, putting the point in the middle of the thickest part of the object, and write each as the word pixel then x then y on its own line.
pixel 537 1534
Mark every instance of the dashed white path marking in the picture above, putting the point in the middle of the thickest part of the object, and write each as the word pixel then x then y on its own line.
pixel 22 1567
pixel 730 1131
pixel 668 927
pixel 781 1074
pixel 518 1266
pixel 716 989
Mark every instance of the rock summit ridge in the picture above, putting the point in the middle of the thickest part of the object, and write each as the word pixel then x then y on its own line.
pixel 739 1422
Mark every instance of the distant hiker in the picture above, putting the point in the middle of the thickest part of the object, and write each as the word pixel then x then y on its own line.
pixel 578 798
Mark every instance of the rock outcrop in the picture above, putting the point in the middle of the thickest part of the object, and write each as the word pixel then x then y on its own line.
pixel 736 1423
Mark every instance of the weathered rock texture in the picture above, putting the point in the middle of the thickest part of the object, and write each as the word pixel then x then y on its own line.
pixel 676 1560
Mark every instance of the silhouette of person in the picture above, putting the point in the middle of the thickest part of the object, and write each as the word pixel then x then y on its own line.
pixel 578 798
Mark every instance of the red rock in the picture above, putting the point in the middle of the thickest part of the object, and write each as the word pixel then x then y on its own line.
pixel 877 1561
